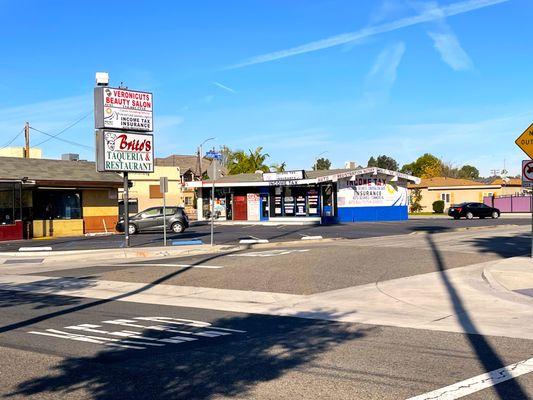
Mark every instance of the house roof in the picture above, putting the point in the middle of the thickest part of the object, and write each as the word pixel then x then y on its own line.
pixel 509 182
pixel 442 181
pixel 184 162
pixel 57 172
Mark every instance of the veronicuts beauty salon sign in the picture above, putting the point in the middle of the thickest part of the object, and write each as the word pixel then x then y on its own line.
pixel 123 109
pixel 124 152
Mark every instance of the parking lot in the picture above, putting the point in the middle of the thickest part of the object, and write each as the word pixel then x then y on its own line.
pixel 229 234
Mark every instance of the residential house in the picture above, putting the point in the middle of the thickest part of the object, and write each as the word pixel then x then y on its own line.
pixel 452 191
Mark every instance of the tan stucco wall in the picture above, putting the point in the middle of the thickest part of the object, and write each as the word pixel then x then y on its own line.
pixel 18 152
pixel 142 182
pixel 508 190
pixel 457 195
pixel 59 227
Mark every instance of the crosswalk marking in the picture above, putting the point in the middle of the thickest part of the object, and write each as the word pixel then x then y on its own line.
pixel 269 253
pixel 139 339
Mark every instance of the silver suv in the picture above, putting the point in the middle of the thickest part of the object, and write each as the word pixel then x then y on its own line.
pixel 151 219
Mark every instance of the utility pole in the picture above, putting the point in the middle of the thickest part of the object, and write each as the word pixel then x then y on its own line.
pixel 27 139
pixel 214 161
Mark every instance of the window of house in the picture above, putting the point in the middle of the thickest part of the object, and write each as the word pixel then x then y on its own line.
pixel 133 206
pixel 155 193
pixel 188 201
pixel 445 197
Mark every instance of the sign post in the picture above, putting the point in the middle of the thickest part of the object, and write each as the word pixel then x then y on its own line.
pixel 215 156
pixel 163 188
pixel 527 182
pixel 525 142
pixel 121 119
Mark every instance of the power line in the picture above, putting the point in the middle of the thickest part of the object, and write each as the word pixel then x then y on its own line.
pixel 54 136
pixel 60 139
pixel 12 140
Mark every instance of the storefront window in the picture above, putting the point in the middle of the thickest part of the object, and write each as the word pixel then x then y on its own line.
pixel 57 204
pixel 8 203
pixel 299 201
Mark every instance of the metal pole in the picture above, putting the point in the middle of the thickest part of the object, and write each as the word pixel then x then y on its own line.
pixel 164 219
pixel 126 199
pixel 213 202
pixel 531 207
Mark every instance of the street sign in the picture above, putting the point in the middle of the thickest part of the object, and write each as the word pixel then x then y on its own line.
pixel 163 184
pixel 527 173
pixel 214 155
pixel 525 141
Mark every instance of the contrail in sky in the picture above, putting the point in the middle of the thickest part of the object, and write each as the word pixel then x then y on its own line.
pixel 224 87
pixel 427 16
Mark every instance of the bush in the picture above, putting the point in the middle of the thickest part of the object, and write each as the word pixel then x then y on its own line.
pixel 438 206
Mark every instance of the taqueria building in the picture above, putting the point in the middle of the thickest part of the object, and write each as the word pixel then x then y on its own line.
pixel 342 195
pixel 40 197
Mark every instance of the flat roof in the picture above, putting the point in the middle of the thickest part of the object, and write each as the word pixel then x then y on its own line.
pixel 312 177
pixel 57 172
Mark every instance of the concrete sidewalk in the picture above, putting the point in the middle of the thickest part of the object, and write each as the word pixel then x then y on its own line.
pixel 513 274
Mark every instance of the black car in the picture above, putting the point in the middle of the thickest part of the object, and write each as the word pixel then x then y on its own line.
pixel 151 219
pixel 471 210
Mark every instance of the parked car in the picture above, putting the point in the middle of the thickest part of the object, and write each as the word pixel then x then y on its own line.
pixel 151 219
pixel 471 210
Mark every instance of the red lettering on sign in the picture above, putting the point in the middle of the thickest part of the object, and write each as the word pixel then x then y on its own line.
pixel 133 145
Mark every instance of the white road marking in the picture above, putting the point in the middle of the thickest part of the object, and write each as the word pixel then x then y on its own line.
pixel 41 248
pixel 252 241
pixel 269 253
pixel 90 339
pixel 312 238
pixel 138 340
pixel 480 382
pixel 173 265
pixel 189 322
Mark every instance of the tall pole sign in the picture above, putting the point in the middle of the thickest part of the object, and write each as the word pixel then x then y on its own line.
pixel 123 120
pixel 525 142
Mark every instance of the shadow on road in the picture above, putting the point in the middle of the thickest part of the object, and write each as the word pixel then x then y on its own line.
pixel 486 355
pixel 40 318
pixel 506 246
pixel 231 366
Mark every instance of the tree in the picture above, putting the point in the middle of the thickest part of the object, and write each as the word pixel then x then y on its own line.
pixel 448 170
pixel 416 198
pixel 468 172
pixel 387 162
pixel 372 162
pixel 425 166
pixel 278 167
pixel 322 164
pixel 242 162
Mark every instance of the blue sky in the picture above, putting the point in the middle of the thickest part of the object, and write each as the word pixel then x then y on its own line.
pixel 349 78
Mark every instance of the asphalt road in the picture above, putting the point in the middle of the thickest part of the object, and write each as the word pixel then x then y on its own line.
pixel 302 269
pixel 231 234
pixel 58 347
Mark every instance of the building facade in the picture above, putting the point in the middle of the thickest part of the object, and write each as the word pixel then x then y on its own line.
pixel 145 193
pixel 40 198
pixel 452 191
pixel 364 194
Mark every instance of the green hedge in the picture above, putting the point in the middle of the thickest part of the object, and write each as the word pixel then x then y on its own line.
pixel 438 206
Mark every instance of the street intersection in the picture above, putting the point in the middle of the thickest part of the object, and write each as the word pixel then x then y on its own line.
pixel 380 317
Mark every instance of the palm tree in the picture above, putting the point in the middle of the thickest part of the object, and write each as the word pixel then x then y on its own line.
pixel 241 162
pixel 279 167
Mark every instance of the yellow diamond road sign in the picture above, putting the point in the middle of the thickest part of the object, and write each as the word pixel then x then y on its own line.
pixel 525 141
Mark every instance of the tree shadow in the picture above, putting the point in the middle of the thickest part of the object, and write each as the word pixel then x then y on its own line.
pixel 505 246
pixel 228 366
pixel 42 294
pixel 74 281
pixel 487 356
